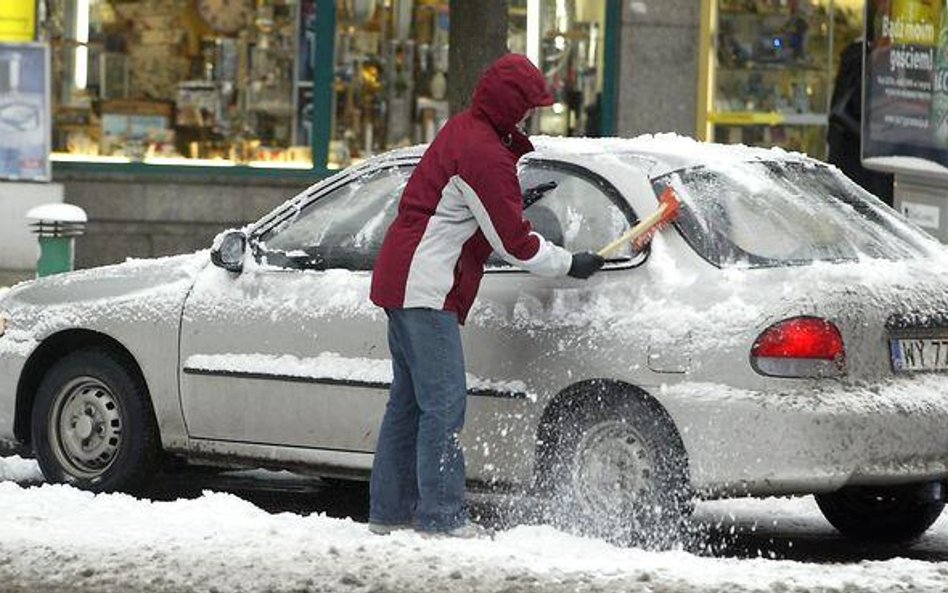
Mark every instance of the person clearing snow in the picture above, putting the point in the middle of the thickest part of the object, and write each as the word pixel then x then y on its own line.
pixel 462 202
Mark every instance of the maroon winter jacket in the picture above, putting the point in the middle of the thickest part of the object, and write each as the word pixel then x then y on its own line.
pixel 464 200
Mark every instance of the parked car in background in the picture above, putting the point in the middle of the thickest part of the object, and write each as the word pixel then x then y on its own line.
pixel 788 336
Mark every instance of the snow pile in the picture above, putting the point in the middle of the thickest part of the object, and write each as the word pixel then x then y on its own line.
pixel 55 537
pixel 17 469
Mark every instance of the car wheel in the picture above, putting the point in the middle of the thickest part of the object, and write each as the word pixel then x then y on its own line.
pixel 892 514
pixel 620 472
pixel 93 425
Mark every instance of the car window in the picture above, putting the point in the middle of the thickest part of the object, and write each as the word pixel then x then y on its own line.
pixel 341 229
pixel 580 213
pixel 763 214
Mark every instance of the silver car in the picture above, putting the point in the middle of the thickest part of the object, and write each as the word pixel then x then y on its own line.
pixel 788 335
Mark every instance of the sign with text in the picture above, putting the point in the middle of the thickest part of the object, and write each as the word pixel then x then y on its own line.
pixel 905 102
pixel 24 111
pixel 17 20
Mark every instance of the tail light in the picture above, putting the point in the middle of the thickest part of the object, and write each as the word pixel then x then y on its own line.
pixel 799 347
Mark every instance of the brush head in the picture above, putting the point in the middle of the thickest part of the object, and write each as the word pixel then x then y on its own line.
pixel 669 205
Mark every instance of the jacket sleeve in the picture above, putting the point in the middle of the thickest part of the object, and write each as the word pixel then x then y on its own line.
pixel 492 194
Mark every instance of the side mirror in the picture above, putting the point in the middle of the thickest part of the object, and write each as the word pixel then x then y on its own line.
pixel 228 251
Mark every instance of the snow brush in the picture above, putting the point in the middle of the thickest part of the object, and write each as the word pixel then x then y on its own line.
pixel 640 234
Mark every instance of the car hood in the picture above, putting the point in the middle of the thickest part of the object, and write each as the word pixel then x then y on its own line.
pixel 101 298
pixel 133 277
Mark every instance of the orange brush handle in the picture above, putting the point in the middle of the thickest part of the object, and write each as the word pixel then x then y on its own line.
pixel 666 212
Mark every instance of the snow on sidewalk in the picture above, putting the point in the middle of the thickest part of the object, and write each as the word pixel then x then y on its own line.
pixel 57 538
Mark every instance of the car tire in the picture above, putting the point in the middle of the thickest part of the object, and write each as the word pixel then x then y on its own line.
pixel 896 514
pixel 620 443
pixel 93 425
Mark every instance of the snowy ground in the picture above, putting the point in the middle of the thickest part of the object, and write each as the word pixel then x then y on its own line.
pixel 56 538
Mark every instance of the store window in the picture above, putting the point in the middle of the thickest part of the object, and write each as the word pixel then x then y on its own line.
pixel 210 82
pixel 391 71
pixel 769 69
pixel 231 82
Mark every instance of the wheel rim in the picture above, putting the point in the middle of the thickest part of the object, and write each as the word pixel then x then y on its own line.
pixel 85 427
pixel 613 470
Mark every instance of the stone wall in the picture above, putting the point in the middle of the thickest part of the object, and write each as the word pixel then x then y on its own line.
pixel 658 67
pixel 149 217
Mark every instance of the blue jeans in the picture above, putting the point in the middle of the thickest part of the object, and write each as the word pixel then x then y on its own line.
pixel 418 473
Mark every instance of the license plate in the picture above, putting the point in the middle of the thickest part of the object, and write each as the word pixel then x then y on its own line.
pixel 919 354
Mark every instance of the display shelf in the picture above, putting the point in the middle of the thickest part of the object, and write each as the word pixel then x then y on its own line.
pixel 770 69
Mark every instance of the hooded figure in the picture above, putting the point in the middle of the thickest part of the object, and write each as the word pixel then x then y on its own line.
pixel 462 202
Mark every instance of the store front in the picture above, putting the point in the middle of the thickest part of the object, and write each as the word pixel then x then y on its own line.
pixel 271 87
pixel 767 69
pixel 175 119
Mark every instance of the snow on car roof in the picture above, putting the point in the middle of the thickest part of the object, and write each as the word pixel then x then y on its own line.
pixel 659 153
pixel 664 152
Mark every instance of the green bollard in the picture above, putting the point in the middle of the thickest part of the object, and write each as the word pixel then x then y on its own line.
pixel 55 256
pixel 56 226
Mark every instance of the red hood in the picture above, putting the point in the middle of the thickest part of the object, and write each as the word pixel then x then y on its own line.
pixel 507 89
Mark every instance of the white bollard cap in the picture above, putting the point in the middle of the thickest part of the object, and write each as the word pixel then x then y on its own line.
pixel 58 213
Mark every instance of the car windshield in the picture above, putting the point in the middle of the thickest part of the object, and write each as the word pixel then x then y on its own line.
pixel 774 213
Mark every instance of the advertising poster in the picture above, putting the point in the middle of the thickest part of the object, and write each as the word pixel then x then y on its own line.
pixel 24 111
pixel 17 20
pixel 905 103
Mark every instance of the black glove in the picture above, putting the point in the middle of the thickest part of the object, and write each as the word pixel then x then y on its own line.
pixel 585 264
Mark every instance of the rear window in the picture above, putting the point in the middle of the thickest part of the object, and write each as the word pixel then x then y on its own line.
pixel 764 214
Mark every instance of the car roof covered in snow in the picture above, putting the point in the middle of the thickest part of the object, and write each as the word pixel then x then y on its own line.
pixel 657 154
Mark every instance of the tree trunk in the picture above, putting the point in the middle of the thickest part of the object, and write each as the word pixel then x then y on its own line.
pixel 478 36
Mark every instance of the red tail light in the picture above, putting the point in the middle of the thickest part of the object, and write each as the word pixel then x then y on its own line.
pixel 799 347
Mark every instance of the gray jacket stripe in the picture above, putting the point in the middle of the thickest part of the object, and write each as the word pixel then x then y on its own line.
pixel 549 260
pixel 431 274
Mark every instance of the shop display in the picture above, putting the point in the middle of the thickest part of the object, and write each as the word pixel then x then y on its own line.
pixel 231 81
pixel 391 72
pixel 570 54
pixel 772 68
pixel 181 79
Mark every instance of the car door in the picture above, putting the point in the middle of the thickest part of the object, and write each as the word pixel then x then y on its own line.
pixel 290 352
pixel 519 347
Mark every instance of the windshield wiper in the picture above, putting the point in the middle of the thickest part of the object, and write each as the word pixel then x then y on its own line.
pixel 532 195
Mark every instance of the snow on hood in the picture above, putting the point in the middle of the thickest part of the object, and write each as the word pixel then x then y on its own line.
pixel 138 289
pixel 53 535
pixel 133 276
